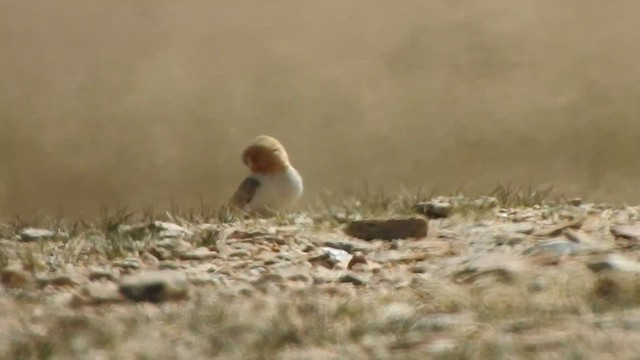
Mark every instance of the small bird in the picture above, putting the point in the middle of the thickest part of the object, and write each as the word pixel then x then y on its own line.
pixel 273 185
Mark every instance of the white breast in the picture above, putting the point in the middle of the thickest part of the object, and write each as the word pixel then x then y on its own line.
pixel 277 191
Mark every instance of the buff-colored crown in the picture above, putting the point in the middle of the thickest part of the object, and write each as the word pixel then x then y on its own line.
pixel 265 154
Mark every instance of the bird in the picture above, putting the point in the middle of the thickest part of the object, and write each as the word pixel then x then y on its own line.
pixel 273 185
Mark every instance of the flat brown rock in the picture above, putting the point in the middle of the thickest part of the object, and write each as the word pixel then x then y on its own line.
pixel 387 229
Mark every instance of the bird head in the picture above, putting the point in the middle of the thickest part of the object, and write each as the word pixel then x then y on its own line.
pixel 265 154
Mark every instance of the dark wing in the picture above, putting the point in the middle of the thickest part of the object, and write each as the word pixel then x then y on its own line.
pixel 245 193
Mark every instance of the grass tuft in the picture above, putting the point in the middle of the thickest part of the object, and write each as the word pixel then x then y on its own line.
pixel 509 196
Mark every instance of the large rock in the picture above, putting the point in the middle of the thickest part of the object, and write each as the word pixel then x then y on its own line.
pixel 387 229
pixel 155 286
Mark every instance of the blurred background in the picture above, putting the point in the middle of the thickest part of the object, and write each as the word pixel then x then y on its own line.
pixel 149 102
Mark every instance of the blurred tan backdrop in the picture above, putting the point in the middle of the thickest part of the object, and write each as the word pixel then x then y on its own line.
pixel 141 102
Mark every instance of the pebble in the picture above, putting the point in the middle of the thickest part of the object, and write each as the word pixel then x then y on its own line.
pixel 155 286
pixel 149 260
pixel 127 264
pixel 98 293
pixel 171 230
pixel 348 245
pixel 100 274
pixel 434 209
pixel 169 248
pixel 519 228
pixel 201 253
pixel 32 234
pixel 355 279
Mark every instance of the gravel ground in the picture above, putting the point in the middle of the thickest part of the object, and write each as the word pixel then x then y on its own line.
pixel 452 278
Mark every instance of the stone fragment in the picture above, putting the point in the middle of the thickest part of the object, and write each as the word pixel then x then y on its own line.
pixel 614 262
pixel 629 232
pixel 434 209
pixel 441 322
pixel 32 234
pixel 387 229
pixel 60 279
pixel 520 228
pixel 355 279
pixel 394 257
pixel 168 265
pixel 100 274
pixel 510 239
pixel 300 277
pixel 349 245
pixel 502 267
pixel 557 229
pixel 201 253
pixel 155 286
pixel 578 236
pixel 98 293
pixel 149 260
pixel 268 278
pixel 554 247
pixel 575 202
pixel 330 257
pixel 336 255
pixel 136 231
pixel 169 248
pixel 171 230
pixel 127 264
pixel 356 259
